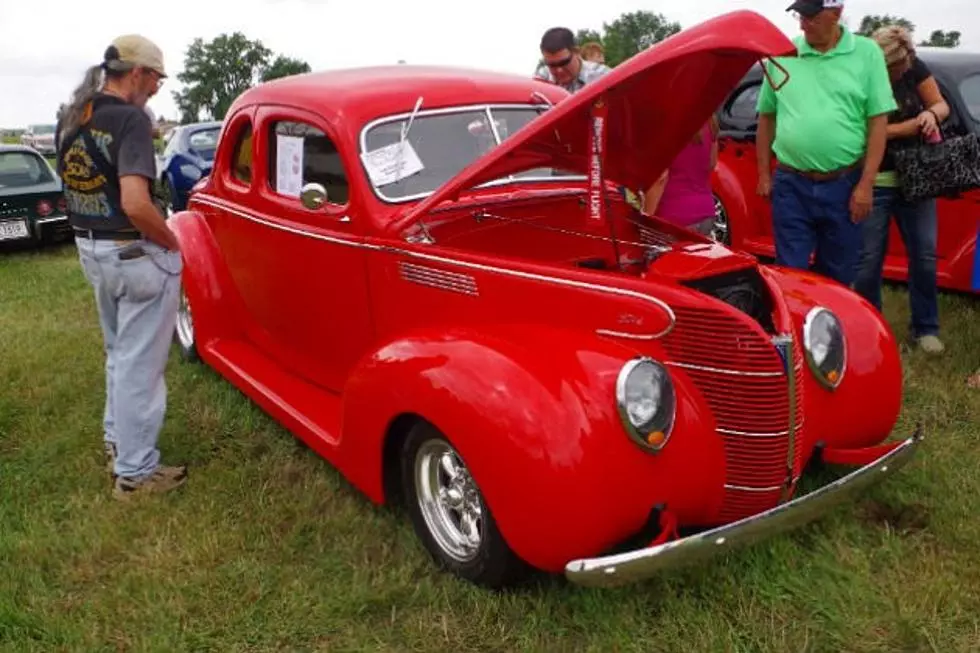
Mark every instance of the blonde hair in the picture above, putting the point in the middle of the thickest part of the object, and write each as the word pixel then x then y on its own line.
pixel 591 49
pixel 895 41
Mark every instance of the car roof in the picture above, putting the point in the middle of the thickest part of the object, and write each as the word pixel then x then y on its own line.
pixel 955 61
pixel 363 94
pixel 16 147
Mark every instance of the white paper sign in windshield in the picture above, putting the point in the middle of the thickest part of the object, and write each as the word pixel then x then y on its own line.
pixel 391 163
pixel 289 165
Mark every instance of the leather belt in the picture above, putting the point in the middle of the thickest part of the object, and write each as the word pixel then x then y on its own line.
pixel 101 234
pixel 815 175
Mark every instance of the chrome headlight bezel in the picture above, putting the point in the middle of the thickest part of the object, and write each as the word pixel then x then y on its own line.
pixel 830 378
pixel 662 420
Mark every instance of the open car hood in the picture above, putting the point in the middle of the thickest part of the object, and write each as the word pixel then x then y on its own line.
pixel 654 103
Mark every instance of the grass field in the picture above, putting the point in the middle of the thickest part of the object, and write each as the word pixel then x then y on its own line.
pixel 269 549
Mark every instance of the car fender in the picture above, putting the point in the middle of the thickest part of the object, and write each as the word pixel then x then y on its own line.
pixel 844 417
pixel 726 187
pixel 532 412
pixel 217 308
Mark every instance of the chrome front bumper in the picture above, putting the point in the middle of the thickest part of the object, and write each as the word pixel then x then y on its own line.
pixel 623 568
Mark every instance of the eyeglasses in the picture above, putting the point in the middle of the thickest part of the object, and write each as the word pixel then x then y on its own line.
pixel 561 63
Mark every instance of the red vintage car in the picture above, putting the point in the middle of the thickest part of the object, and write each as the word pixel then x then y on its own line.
pixel 431 276
pixel 744 219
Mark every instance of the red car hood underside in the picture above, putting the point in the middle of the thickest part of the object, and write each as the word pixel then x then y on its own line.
pixel 656 101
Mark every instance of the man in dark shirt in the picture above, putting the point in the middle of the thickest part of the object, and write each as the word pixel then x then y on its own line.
pixel 128 253
pixel 921 110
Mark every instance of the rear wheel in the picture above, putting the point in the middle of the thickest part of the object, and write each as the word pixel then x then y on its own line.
pixel 450 515
pixel 184 332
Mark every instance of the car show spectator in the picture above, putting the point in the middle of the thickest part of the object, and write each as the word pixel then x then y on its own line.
pixel 593 51
pixel 127 252
pixel 683 193
pixel 827 126
pixel 563 64
pixel 921 110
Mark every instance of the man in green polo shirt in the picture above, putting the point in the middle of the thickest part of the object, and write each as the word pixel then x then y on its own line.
pixel 827 126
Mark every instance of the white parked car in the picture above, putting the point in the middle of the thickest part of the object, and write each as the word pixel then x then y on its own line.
pixel 40 137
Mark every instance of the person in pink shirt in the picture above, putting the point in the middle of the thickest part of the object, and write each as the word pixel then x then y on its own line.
pixel 682 195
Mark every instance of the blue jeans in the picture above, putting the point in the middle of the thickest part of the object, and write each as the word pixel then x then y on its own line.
pixel 917 224
pixel 814 217
pixel 137 303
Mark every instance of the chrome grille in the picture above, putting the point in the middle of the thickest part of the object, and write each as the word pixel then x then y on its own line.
pixel 742 377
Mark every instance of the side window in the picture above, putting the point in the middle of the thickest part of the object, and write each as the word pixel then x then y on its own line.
pixel 742 110
pixel 970 90
pixel 299 154
pixel 241 157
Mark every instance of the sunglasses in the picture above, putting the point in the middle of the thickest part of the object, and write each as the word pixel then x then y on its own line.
pixel 561 63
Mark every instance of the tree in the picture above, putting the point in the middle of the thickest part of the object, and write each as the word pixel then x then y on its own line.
pixel 586 35
pixel 872 22
pixel 941 39
pixel 633 32
pixel 938 39
pixel 217 72
pixel 284 67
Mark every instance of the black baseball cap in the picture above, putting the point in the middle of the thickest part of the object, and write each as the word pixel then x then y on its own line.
pixel 811 8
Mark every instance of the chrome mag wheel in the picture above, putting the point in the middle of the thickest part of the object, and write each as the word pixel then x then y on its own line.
pixel 449 500
pixel 185 323
pixel 720 230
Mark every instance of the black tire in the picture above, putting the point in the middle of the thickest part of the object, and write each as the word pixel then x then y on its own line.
pixel 491 563
pixel 184 330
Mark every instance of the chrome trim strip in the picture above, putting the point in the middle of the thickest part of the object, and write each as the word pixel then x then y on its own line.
pixel 220 204
pixel 720 370
pixel 584 285
pixel 57 218
pixel 633 566
pixel 747 488
pixel 750 434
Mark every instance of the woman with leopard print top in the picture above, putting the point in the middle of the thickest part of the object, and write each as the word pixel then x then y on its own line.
pixel 921 109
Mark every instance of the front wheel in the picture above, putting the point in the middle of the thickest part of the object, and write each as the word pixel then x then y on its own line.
pixel 184 332
pixel 450 515
pixel 721 231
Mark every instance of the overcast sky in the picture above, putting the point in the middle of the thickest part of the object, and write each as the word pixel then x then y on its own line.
pixel 40 63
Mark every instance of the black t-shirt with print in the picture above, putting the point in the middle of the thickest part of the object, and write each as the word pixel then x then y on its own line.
pixel 910 105
pixel 123 135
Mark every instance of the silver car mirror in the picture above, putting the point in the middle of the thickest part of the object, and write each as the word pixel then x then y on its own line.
pixel 313 195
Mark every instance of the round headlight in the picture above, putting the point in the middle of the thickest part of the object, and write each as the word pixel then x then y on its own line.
pixel 646 402
pixel 823 342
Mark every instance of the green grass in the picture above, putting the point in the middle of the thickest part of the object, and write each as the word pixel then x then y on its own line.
pixel 269 549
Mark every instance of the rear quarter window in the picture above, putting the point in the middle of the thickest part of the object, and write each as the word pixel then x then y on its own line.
pixel 970 90
pixel 22 170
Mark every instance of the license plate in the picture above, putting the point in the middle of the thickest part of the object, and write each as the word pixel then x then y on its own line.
pixel 13 229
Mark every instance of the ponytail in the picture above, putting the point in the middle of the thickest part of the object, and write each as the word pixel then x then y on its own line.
pixel 79 110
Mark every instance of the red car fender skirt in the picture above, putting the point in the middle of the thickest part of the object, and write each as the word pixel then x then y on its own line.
pixel 217 308
pixel 533 414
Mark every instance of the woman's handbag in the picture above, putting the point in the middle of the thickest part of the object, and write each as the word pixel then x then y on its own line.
pixel 928 170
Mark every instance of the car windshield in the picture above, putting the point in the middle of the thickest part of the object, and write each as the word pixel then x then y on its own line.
pixel 23 169
pixel 444 142
pixel 204 142
pixel 970 90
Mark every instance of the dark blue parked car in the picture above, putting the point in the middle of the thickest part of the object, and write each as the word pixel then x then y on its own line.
pixel 187 158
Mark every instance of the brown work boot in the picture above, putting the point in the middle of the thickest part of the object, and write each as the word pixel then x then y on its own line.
pixel 163 479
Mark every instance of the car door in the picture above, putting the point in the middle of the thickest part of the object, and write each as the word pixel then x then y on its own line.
pixel 301 271
pixel 959 216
